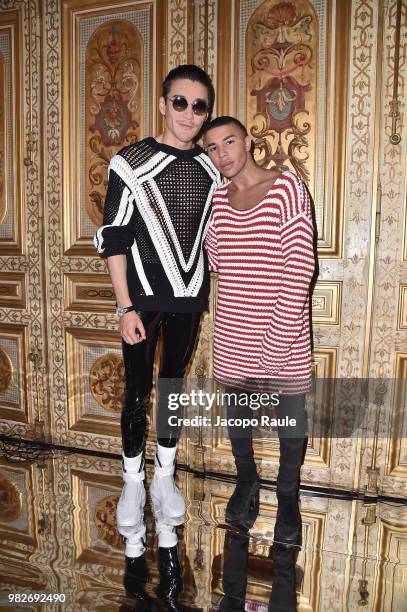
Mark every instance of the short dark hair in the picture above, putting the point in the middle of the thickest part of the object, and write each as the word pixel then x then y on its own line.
pixel 193 73
pixel 224 120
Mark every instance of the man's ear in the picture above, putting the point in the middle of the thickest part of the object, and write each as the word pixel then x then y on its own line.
pixel 161 105
pixel 247 143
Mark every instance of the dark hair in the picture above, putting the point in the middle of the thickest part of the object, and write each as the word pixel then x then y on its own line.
pixel 193 73
pixel 224 120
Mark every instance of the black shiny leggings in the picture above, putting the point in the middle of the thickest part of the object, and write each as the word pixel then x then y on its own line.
pixel 293 440
pixel 179 332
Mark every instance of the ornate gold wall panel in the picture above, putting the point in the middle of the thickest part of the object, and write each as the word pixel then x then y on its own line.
pixel 89 292
pixel 359 191
pixel 281 78
pixel 384 455
pixel 13 290
pixel 95 376
pixel 27 527
pixel 15 403
pixel 113 103
pixel 96 499
pixel 380 536
pixel 107 79
pixel 206 38
pixel 402 314
pixel 12 234
pixel 18 528
pixel 3 145
pixel 289 77
pixel 396 460
pixel 227 51
pixel 179 27
pixel 23 405
pixel 326 303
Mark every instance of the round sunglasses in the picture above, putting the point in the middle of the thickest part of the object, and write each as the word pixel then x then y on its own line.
pixel 180 104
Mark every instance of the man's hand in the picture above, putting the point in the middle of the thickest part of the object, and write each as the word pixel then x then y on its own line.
pixel 131 328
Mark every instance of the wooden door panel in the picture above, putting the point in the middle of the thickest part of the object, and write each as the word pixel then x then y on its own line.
pixel 23 394
pixel 384 455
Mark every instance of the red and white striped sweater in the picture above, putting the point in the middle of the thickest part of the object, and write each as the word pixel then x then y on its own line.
pixel 265 261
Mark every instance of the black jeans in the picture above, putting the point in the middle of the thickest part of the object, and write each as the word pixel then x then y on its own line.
pixel 293 440
pixel 179 332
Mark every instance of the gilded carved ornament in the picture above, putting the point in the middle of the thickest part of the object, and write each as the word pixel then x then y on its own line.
pixel 106 381
pixel 10 500
pixel 6 371
pixel 280 44
pixel 113 80
pixel 105 521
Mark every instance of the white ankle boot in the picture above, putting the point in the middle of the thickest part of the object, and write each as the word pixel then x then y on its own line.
pixel 168 502
pixel 130 508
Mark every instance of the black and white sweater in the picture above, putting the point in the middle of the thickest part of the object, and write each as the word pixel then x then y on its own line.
pixel 157 212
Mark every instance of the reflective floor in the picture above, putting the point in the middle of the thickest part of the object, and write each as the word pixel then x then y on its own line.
pixel 58 537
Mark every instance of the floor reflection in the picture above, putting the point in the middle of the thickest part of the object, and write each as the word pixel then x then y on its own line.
pixel 58 534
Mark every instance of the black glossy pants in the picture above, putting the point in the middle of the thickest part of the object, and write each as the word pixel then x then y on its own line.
pixel 293 441
pixel 179 332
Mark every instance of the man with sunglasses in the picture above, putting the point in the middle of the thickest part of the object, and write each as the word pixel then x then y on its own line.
pixel 156 214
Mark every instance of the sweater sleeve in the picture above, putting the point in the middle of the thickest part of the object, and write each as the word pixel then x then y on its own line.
pixel 297 244
pixel 116 235
pixel 211 245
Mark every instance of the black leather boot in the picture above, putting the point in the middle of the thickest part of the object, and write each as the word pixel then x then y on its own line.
pixel 135 577
pixel 170 577
pixel 287 529
pixel 243 507
pixel 283 595
pixel 234 578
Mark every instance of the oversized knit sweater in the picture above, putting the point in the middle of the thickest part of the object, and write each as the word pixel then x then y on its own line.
pixel 265 261
pixel 157 211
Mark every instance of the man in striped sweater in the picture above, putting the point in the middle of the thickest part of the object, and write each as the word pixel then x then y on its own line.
pixel 260 241
pixel 156 213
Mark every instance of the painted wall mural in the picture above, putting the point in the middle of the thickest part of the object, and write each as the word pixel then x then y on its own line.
pixel 10 500
pixel 112 103
pixel 105 521
pixel 281 48
pixel 106 381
